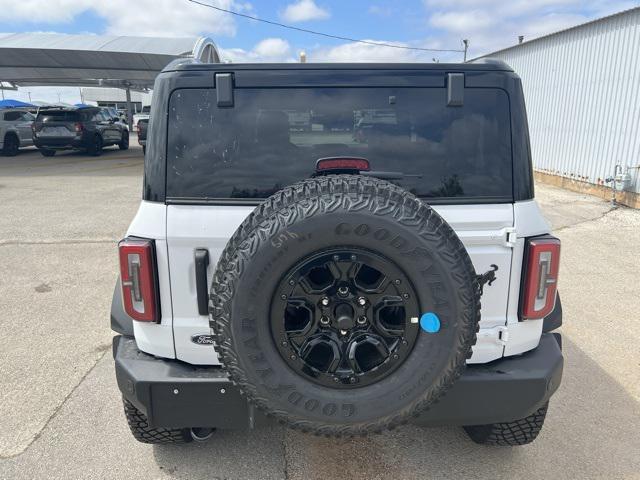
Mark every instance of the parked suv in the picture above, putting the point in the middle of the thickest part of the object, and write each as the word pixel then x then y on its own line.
pixel 341 280
pixel 15 130
pixel 88 129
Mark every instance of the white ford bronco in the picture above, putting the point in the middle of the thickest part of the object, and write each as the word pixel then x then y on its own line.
pixel 343 248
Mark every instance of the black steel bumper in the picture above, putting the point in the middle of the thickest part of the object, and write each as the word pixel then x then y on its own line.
pixel 175 394
pixel 63 143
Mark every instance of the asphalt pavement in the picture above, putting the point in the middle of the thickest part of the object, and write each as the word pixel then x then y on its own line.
pixel 60 410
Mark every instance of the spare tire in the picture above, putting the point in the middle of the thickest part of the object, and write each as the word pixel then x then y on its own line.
pixel 344 305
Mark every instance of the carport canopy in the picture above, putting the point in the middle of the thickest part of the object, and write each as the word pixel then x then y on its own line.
pixel 41 59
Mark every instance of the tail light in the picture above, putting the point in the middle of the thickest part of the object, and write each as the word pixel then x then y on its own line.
pixel 329 164
pixel 79 127
pixel 540 277
pixel 139 279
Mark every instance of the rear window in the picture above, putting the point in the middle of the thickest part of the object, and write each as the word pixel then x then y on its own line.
pixel 272 138
pixel 58 116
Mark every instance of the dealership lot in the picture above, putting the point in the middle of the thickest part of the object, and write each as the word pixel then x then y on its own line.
pixel 60 410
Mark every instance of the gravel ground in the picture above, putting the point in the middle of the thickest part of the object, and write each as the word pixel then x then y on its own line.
pixel 60 411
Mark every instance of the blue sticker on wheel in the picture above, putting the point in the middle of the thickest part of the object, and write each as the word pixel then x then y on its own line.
pixel 429 322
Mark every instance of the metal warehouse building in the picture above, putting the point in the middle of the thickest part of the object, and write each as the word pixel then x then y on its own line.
pixel 582 89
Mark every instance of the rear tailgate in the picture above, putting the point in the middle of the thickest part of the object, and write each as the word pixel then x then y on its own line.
pixel 484 229
pixel 56 124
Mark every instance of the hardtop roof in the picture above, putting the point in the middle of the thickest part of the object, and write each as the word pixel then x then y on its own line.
pixel 487 64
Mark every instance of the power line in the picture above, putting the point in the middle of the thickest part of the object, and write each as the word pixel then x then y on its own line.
pixel 313 32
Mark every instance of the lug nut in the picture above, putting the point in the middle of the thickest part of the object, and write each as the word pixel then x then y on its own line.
pixel 397 281
pixel 324 320
pixel 343 291
pixel 362 301
pixel 353 380
pixel 291 282
pixel 324 301
pixel 395 356
pixel 283 296
pixel 362 320
pixel 405 295
pixel 292 357
pixel 336 379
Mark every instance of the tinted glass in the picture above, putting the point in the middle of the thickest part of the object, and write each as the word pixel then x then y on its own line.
pixel 272 138
pixel 12 116
pixel 58 116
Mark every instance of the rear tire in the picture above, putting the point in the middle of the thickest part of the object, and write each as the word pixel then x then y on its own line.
pixel 95 149
pixel 11 145
pixel 510 434
pixel 142 432
pixel 124 143
pixel 47 153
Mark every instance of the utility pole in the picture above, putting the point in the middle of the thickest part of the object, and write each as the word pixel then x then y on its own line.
pixel 465 42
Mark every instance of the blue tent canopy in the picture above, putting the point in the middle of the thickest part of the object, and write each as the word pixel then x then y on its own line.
pixel 82 105
pixel 14 104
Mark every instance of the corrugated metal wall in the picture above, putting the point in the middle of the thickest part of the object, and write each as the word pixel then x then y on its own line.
pixel 582 88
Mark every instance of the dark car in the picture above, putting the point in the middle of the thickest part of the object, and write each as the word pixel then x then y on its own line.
pixel 88 129
pixel 142 127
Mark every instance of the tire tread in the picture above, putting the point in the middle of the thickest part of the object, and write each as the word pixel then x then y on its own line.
pixel 512 434
pixel 324 195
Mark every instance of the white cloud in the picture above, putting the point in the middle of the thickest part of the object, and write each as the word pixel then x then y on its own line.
pixel 52 11
pixel 462 21
pixel 362 52
pixel 268 50
pixel 166 18
pixel 174 18
pixel 303 11
pixel 273 48
pixel 494 24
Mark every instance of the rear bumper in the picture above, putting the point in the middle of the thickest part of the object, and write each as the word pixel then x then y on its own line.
pixel 175 394
pixel 64 143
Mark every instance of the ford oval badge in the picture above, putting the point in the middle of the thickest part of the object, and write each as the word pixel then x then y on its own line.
pixel 202 339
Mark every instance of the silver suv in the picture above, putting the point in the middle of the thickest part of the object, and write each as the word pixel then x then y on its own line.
pixel 15 130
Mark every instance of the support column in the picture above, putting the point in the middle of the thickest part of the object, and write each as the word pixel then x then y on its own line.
pixel 129 112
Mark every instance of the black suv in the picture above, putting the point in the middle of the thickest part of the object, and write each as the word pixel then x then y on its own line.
pixel 88 129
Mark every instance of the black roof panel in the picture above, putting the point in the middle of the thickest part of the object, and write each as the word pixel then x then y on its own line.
pixel 488 64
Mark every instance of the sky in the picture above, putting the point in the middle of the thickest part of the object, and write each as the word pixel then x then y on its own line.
pixel 438 24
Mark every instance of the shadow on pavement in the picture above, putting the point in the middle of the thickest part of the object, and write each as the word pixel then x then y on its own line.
pixel 591 432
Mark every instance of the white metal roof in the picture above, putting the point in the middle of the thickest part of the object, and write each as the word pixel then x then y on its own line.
pixel 58 59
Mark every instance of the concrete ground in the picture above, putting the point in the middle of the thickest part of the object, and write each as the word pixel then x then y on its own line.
pixel 60 410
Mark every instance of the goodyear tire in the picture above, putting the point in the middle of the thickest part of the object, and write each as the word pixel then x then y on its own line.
pixel 344 305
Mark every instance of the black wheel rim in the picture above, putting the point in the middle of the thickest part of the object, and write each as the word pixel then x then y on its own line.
pixel 345 318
